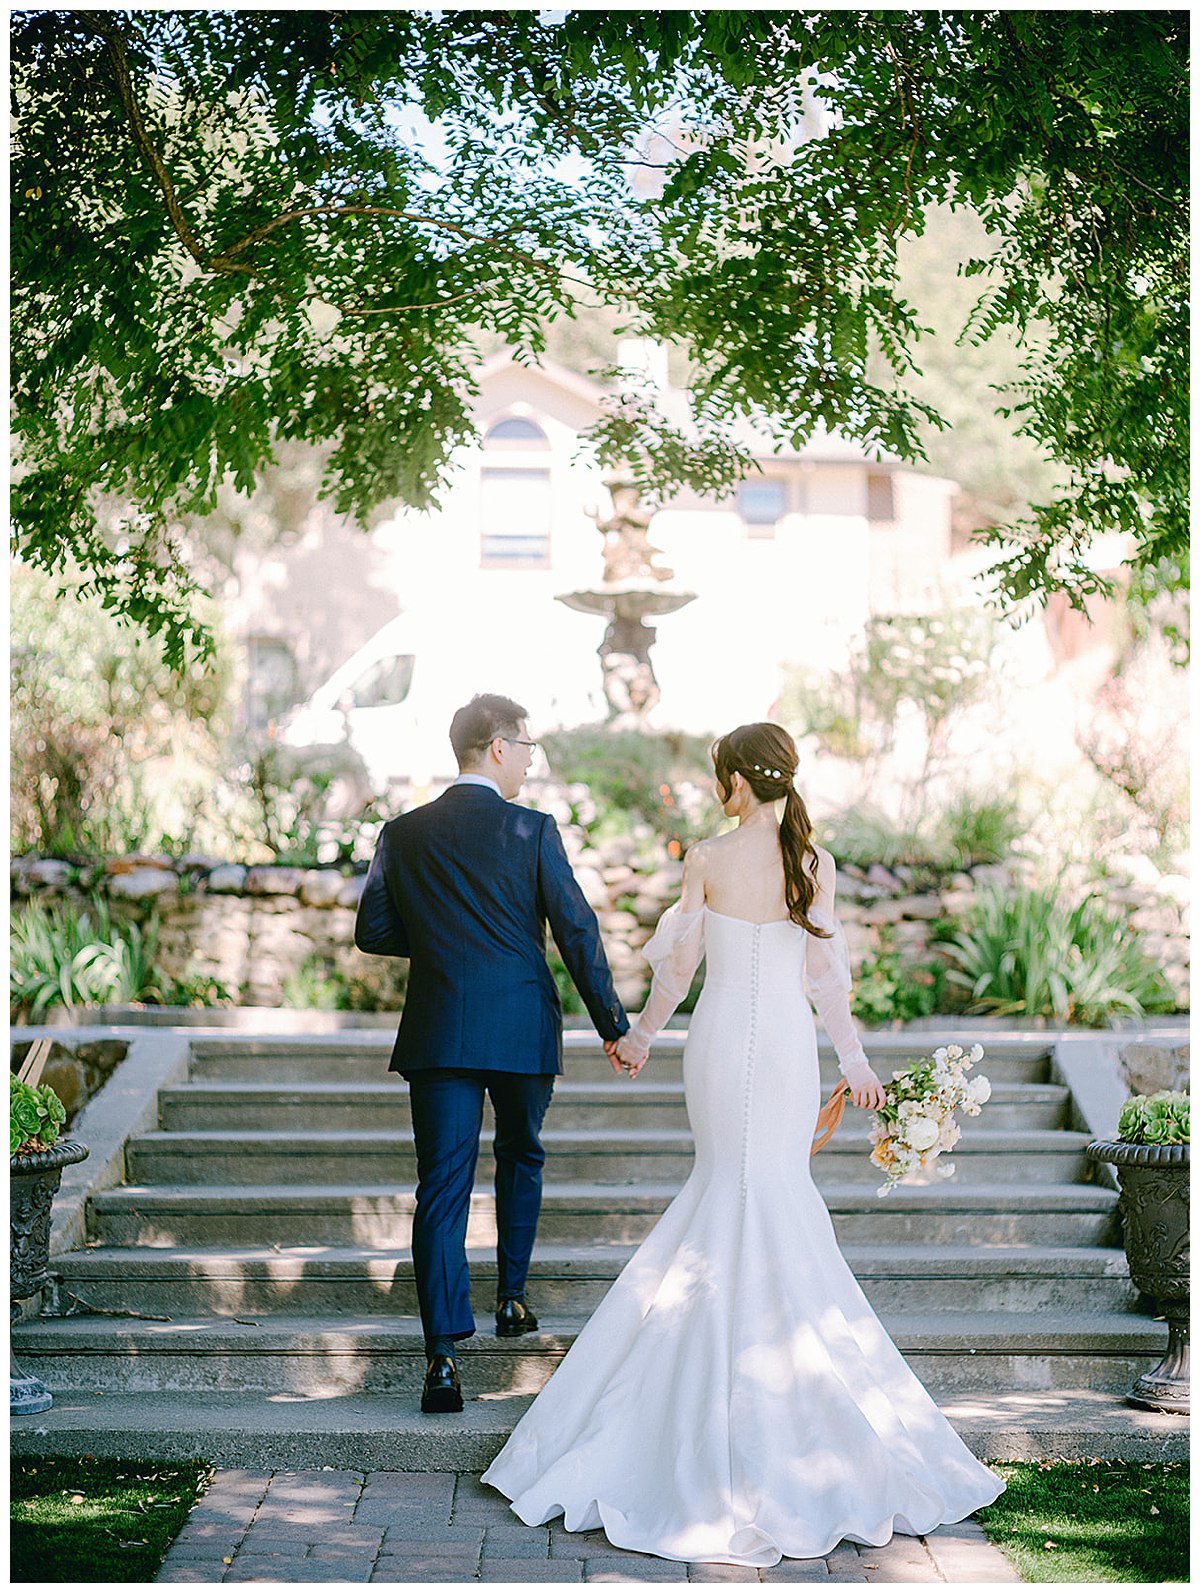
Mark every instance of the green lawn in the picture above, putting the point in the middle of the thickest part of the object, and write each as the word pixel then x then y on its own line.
pixel 98 1520
pixel 1092 1520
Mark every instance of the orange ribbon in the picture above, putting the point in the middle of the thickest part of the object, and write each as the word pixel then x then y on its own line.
pixel 829 1117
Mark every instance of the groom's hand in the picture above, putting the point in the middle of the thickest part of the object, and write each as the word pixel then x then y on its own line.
pixel 610 1051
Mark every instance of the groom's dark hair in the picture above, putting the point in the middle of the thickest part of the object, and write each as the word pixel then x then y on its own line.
pixel 485 717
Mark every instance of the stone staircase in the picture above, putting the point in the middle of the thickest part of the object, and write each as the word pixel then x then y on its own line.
pixel 248 1293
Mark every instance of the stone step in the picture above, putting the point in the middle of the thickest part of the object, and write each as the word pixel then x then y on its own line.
pixel 613 1156
pixel 567 1280
pixel 319 1358
pixel 365 1055
pixel 365 1432
pixel 615 1104
pixel 1043 1214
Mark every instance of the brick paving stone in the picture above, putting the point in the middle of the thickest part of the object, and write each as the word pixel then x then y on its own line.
pixel 795 1571
pixel 962 1553
pixel 410 1484
pixel 274 1542
pixel 591 1545
pixel 383 1573
pixel 391 1514
pixel 845 1564
pixel 517 1542
pixel 521 1571
pixel 276 1570
pixel 651 1570
pixel 418 1567
pixel 704 1571
pixel 192 1571
pixel 430 1538
pixel 209 1533
pixel 288 1514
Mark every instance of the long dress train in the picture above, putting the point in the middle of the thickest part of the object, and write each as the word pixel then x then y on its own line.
pixel 734 1398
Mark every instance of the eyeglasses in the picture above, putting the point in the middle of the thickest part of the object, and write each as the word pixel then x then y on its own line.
pixel 513 741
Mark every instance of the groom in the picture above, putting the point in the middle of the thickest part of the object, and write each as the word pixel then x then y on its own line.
pixel 464 887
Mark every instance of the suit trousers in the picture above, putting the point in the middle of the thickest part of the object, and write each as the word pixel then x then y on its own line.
pixel 447 1118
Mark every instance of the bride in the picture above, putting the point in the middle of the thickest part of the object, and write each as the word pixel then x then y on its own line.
pixel 734 1398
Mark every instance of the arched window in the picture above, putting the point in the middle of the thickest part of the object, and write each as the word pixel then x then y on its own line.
pixel 515 432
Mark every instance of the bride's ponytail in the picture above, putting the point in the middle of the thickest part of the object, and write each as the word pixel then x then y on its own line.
pixel 765 755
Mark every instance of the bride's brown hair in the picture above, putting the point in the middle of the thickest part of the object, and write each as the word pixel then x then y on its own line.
pixel 766 758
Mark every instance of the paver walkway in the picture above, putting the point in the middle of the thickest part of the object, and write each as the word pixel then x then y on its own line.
pixel 397 1526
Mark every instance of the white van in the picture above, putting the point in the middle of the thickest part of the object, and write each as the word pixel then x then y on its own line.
pixel 391 702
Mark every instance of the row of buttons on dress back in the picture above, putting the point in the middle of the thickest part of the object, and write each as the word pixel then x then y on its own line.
pixel 751 1054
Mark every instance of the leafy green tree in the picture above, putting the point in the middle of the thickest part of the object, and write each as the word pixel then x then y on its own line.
pixel 237 229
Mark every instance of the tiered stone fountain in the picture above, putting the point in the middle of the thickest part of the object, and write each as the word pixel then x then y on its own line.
pixel 633 587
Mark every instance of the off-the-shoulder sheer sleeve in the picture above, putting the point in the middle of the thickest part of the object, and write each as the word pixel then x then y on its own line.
pixel 674 952
pixel 827 981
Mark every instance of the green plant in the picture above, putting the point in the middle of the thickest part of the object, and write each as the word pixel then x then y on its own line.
pixel 193 989
pixel 977 828
pixel 318 987
pixel 1161 1119
pixel 572 1001
pixel 863 835
pixel 1027 951
pixel 35 1116
pixel 890 989
pixel 63 956
pixel 293 793
pixel 660 777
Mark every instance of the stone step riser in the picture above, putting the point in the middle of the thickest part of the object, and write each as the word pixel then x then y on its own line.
pixel 372 1371
pixel 178 1114
pixel 381 1166
pixel 241 1295
pixel 372 1069
pixel 883 1225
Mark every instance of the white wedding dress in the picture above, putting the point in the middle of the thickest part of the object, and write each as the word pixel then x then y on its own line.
pixel 734 1398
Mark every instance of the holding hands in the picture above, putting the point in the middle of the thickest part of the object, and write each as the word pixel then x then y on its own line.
pixel 626 1056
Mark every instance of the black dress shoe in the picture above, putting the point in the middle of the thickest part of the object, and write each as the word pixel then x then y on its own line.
pixel 442 1391
pixel 513 1317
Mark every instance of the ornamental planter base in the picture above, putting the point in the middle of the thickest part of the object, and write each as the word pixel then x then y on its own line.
pixel 33 1183
pixel 1155 1213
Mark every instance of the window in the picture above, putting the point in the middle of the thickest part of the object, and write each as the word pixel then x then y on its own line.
pixel 515 432
pixel 881 504
pixel 271 680
pixel 515 519
pixel 385 683
pixel 761 505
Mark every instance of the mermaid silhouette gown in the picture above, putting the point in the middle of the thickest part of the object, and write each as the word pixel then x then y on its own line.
pixel 734 1398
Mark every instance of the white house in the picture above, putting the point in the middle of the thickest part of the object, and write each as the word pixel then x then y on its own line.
pixel 784 571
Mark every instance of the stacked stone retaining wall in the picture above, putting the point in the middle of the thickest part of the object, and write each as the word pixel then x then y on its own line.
pixel 254 928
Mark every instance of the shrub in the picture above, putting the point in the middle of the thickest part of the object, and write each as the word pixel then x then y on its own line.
pixel 1162 1119
pixel 317 986
pixel 93 708
pixel 888 989
pixel 658 777
pixel 64 956
pixel 1027 952
pixel 863 836
pixel 976 828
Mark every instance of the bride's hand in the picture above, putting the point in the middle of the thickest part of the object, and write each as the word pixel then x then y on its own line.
pixel 869 1094
pixel 630 1057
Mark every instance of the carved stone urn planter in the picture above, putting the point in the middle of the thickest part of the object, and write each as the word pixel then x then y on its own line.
pixel 1154 1208
pixel 33 1184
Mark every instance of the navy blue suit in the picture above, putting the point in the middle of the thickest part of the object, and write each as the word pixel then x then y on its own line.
pixel 464 887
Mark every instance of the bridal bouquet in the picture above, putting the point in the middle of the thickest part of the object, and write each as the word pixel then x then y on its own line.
pixel 916 1122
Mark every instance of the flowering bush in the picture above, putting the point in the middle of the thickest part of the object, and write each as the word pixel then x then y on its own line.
pixel 1162 1119
pixel 916 1122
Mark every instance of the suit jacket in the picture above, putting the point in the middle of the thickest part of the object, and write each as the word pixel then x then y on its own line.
pixel 464 888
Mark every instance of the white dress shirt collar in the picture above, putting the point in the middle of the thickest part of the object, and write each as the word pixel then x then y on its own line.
pixel 479 779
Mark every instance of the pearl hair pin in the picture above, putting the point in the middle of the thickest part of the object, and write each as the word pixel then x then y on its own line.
pixel 772 774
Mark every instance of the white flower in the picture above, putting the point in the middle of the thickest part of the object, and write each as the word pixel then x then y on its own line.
pixel 908 1108
pixel 954 1052
pixel 950 1135
pixel 941 1054
pixel 979 1090
pixel 971 1109
pixel 921 1132
pixel 946 1170
pixel 975 1054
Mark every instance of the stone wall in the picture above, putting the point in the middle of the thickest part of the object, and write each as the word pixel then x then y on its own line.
pixel 252 928
pixel 75 1069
